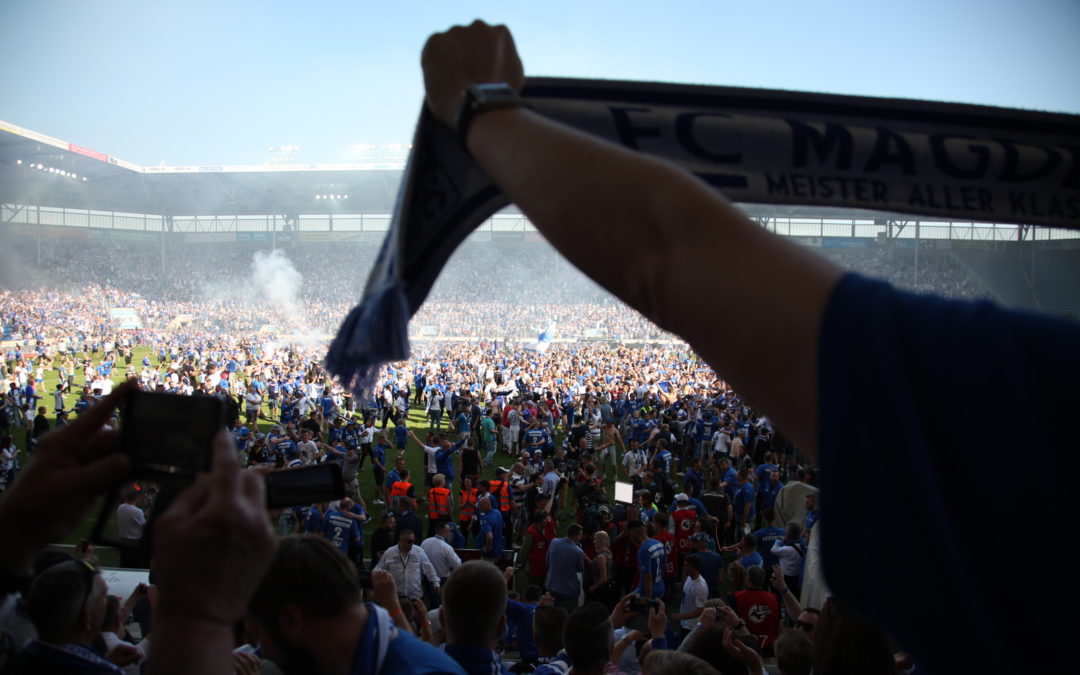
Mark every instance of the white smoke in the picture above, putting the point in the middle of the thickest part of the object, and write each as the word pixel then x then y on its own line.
pixel 276 280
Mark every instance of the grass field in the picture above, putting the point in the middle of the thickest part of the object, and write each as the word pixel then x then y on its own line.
pixel 414 455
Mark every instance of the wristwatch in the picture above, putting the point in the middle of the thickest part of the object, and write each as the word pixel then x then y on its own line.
pixel 480 98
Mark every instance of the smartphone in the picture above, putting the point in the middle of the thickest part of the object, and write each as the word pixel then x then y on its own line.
pixel 169 440
pixel 304 485
pixel 642 606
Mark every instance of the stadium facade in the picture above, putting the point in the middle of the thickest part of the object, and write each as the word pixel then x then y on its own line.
pixel 52 190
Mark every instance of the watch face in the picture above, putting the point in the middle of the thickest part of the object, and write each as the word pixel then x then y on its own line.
pixel 493 93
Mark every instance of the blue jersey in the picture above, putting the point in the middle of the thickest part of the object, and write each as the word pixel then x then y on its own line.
pixel 341 531
pixel 314 521
pixel 766 537
pixel 462 422
pixel 749 561
pixel 444 461
pixel 535 438
pixel 762 472
pixel 744 495
pixel 651 560
pixel 492 522
pixel 379 453
pixel 401 436
pixel 240 436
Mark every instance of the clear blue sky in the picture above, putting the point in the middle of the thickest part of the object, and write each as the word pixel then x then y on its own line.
pixel 206 83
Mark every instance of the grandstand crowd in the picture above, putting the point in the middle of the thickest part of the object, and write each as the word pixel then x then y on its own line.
pixel 520 453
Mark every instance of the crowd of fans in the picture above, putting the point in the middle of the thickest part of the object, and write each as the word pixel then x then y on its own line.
pixel 711 552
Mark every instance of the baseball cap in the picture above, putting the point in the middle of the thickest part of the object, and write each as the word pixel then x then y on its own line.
pixel 682 497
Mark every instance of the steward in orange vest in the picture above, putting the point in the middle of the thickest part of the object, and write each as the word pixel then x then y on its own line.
pixel 438 503
pixel 467 522
pixel 401 487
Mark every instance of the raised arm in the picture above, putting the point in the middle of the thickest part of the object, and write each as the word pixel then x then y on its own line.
pixel 585 194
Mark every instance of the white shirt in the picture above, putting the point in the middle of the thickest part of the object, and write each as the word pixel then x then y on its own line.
pixel 790 558
pixel 695 593
pixel 407 569
pixel 442 556
pixel 429 451
pixel 130 521
pixel 366 435
pixel 308 451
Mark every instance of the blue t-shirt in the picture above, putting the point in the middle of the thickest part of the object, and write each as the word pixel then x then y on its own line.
pixel 766 537
pixel 744 495
pixel 941 376
pixel 378 452
pixel 651 560
pixel 520 617
pixel 313 523
pixel 492 522
pixel 444 460
pixel 711 563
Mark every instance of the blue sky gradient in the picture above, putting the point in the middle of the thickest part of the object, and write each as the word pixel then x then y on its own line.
pixel 218 82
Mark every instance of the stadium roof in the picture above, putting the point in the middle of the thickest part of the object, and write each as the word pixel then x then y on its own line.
pixel 37 169
pixel 45 171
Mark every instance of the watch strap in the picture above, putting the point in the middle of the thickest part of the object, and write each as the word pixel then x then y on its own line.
pixel 481 98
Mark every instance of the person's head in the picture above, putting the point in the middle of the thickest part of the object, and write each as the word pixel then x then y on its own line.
pixel 810 501
pixel 574 531
pixel 807 620
pixel 794 653
pixel 309 583
pixel 406 540
pixel 388 521
pixel 438 480
pixel 484 504
pixel 662 520
pixel 748 544
pixel 587 638
pixel 737 574
pixel 474 605
pixel 67 603
pixel 755 576
pixel 601 540
pixel 404 473
pixel 548 624
pixel 692 566
pixel 671 662
pixel 794 531
pixel 635 529
pixel 444 530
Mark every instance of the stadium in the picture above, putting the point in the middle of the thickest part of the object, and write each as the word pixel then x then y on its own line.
pixel 548 478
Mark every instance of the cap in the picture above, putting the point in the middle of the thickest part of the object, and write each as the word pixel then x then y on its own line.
pixel 682 497
pixel 699 536
pixel 501 469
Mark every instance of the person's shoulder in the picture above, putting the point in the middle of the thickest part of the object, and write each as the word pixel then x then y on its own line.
pixel 407 655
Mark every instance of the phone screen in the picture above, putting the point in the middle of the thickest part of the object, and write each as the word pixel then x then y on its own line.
pixel 305 485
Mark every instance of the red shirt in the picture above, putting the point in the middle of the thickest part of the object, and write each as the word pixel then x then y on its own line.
pixel 684 529
pixel 761 614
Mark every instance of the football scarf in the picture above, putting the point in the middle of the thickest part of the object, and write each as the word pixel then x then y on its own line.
pixel 953 162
